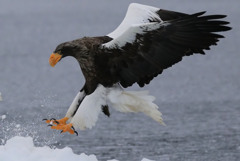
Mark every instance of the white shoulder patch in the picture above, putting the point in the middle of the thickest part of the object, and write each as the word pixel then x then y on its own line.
pixel 129 35
pixel 137 20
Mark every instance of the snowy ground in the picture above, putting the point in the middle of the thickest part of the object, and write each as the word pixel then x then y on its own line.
pixel 24 149
pixel 199 97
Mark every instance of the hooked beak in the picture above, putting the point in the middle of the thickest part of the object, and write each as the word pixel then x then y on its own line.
pixel 54 59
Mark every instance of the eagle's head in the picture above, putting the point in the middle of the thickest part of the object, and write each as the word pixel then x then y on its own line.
pixel 71 48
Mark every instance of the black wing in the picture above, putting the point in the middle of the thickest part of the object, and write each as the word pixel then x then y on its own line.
pixel 153 51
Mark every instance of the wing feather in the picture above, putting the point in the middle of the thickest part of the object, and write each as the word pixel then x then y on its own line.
pixel 136 14
pixel 143 46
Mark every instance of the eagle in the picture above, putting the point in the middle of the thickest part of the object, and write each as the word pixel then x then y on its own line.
pixel 148 41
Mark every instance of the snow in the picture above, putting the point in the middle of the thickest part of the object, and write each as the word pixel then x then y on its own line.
pixel 24 150
pixel 18 126
pixel 3 117
pixel 144 159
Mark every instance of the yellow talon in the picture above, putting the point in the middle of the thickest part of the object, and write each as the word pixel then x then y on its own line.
pixel 61 124
pixel 62 121
pixel 65 128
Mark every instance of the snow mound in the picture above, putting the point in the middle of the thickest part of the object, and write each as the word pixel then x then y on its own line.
pixel 22 149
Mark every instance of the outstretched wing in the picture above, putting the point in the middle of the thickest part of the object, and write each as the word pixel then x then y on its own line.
pixel 150 40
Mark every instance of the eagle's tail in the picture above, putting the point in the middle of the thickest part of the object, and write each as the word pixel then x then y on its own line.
pixel 135 101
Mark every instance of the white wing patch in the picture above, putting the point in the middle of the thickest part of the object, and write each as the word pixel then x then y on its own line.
pixel 129 35
pixel 87 114
pixel 136 14
pixel 136 21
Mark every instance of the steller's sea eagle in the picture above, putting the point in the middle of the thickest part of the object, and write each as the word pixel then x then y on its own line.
pixel 147 41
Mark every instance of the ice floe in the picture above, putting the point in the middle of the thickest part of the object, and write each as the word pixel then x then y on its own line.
pixel 22 148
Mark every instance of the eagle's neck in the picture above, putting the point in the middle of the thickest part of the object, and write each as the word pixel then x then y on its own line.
pixel 94 67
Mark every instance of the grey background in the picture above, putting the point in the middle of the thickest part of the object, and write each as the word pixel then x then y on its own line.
pixel 199 97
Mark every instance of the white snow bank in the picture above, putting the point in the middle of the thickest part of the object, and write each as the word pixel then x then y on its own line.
pixel 22 149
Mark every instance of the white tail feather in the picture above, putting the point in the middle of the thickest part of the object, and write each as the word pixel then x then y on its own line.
pixel 135 101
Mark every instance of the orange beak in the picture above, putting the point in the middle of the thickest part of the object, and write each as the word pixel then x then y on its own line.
pixel 54 59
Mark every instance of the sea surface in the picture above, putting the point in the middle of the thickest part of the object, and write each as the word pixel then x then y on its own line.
pixel 199 97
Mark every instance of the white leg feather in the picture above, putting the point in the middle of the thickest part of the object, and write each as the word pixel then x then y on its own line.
pixel 87 113
pixel 74 104
pixel 134 101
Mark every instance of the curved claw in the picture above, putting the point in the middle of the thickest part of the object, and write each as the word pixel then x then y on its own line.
pixel 76 133
pixel 73 128
pixel 53 121
pixel 61 131
pixel 47 121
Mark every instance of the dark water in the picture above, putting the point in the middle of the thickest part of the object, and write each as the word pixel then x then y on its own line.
pixel 199 97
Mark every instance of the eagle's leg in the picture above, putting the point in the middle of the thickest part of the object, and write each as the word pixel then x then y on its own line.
pixel 61 124
pixel 65 128
pixel 71 111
